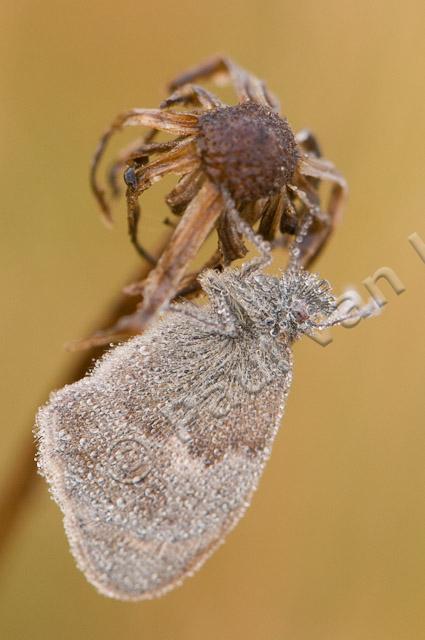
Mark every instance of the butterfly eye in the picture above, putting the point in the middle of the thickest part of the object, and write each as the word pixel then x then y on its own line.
pixel 300 313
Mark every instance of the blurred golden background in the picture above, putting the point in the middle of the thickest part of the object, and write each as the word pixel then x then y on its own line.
pixel 333 546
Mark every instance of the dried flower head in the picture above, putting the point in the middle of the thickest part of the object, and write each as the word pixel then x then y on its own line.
pixel 245 156
pixel 248 149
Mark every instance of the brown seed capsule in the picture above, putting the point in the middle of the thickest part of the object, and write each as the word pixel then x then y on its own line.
pixel 249 149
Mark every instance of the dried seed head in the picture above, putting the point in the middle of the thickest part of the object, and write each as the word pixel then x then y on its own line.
pixel 248 149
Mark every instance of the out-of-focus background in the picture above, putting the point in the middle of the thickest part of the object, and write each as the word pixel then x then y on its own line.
pixel 333 546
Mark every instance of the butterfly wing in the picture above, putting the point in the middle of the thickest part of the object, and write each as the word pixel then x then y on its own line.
pixel 154 456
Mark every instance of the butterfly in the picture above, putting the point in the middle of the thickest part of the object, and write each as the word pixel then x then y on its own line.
pixel 154 456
